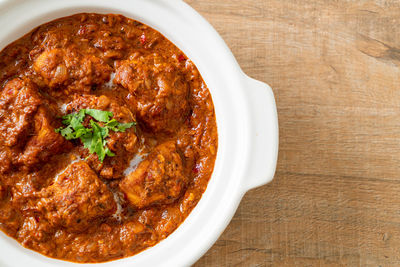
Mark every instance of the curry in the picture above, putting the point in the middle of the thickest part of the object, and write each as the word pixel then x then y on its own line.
pixel 108 138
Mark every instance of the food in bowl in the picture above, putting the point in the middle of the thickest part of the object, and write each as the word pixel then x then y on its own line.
pixel 108 138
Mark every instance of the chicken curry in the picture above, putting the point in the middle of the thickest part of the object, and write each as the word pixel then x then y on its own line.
pixel 108 138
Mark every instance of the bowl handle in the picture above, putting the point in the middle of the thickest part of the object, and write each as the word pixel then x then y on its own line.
pixel 264 139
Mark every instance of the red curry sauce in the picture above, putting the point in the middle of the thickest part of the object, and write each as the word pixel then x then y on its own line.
pixel 57 198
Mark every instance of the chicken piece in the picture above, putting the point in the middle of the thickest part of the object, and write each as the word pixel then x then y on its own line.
pixel 120 112
pixel 33 231
pixel 158 89
pixel 123 144
pixel 45 141
pixel 51 65
pixel 89 101
pixel 6 159
pixel 169 221
pixel 3 191
pixel 19 101
pixel 111 46
pixel 159 179
pixel 64 67
pixel 76 198
pixel 47 37
pixel 130 232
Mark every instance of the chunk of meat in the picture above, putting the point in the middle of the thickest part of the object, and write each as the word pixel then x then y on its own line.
pixel 123 144
pixel 158 89
pixel 5 159
pixel 50 37
pixel 34 231
pixel 121 112
pixel 3 192
pixel 19 101
pixel 112 46
pixel 51 65
pixel 45 141
pixel 76 198
pixel 130 232
pixel 159 179
pixel 169 221
pixel 65 67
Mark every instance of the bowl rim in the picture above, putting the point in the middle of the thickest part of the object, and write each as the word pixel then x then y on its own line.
pixel 191 33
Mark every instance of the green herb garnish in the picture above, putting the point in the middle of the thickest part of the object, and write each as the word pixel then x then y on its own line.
pixel 93 138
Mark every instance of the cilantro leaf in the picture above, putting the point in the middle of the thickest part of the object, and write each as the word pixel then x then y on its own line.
pixel 93 138
pixel 119 127
pixel 99 115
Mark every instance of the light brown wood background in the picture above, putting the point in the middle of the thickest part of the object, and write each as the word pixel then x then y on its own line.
pixel 334 68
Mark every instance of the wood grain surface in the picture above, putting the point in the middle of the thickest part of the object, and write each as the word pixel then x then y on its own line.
pixel 334 69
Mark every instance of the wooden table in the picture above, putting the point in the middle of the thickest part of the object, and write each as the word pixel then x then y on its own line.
pixel 334 68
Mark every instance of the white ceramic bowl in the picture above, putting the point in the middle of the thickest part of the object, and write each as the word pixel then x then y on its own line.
pixel 245 111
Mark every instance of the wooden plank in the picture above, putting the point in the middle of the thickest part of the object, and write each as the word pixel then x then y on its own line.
pixel 334 68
